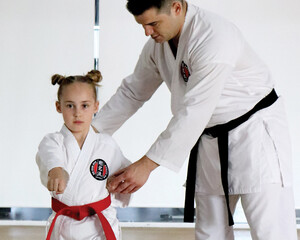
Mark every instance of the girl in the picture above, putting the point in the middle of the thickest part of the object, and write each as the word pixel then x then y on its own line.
pixel 75 163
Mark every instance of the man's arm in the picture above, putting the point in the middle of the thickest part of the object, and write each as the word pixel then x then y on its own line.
pixel 133 92
pixel 133 177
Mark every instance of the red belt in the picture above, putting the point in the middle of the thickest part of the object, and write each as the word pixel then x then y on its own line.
pixel 80 212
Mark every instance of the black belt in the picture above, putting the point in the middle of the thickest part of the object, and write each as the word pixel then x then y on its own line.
pixel 221 132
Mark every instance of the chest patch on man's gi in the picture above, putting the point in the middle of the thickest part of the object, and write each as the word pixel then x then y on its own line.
pixel 99 169
pixel 185 73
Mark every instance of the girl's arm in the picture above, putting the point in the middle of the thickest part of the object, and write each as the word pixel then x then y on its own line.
pixel 57 180
pixel 51 164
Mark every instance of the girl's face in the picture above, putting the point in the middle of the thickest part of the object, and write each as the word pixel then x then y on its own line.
pixel 77 105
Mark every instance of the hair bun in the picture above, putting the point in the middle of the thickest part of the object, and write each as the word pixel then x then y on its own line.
pixel 95 76
pixel 57 79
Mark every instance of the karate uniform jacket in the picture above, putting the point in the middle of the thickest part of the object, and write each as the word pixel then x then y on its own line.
pixel 214 78
pixel 88 170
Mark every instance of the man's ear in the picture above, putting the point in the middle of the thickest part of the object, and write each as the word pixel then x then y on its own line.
pixel 177 7
pixel 58 107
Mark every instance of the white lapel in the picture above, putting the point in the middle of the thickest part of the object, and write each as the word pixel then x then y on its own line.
pixel 81 160
pixel 72 148
pixel 178 88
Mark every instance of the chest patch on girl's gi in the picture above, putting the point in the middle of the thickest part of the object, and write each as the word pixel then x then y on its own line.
pixel 99 169
pixel 185 73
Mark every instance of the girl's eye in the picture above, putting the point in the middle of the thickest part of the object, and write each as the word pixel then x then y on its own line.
pixel 85 105
pixel 69 105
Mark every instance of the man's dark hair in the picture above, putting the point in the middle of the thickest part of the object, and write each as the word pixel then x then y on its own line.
pixel 138 7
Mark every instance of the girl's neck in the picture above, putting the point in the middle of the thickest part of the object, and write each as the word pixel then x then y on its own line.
pixel 80 137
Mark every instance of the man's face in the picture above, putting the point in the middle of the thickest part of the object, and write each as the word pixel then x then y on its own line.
pixel 161 26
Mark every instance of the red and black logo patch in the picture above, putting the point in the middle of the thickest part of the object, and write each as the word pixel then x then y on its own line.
pixel 99 169
pixel 185 73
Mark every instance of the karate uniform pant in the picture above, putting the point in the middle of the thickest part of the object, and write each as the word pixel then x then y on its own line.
pixel 270 214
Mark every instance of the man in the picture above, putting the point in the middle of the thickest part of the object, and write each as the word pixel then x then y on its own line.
pixel 215 79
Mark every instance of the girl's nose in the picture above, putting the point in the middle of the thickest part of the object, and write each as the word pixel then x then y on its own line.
pixel 76 112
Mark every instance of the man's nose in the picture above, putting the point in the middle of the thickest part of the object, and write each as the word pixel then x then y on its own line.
pixel 148 30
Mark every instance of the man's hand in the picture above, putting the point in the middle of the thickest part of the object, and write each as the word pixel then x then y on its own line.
pixel 131 178
pixel 57 180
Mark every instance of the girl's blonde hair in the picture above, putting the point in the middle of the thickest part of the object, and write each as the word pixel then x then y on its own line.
pixel 92 78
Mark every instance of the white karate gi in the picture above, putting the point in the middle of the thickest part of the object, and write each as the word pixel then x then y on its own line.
pixel 82 188
pixel 226 80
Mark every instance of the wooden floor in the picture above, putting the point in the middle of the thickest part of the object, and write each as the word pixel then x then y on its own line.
pixel 21 232
pixel 131 233
pixel 38 233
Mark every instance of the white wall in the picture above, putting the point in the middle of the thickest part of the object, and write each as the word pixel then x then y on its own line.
pixel 272 27
pixel 40 38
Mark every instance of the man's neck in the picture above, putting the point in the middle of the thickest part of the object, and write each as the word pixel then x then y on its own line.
pixel 173 48
pixel 175 40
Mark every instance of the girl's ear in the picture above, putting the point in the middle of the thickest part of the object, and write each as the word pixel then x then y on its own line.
pixel 58 107
pixel 96 107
